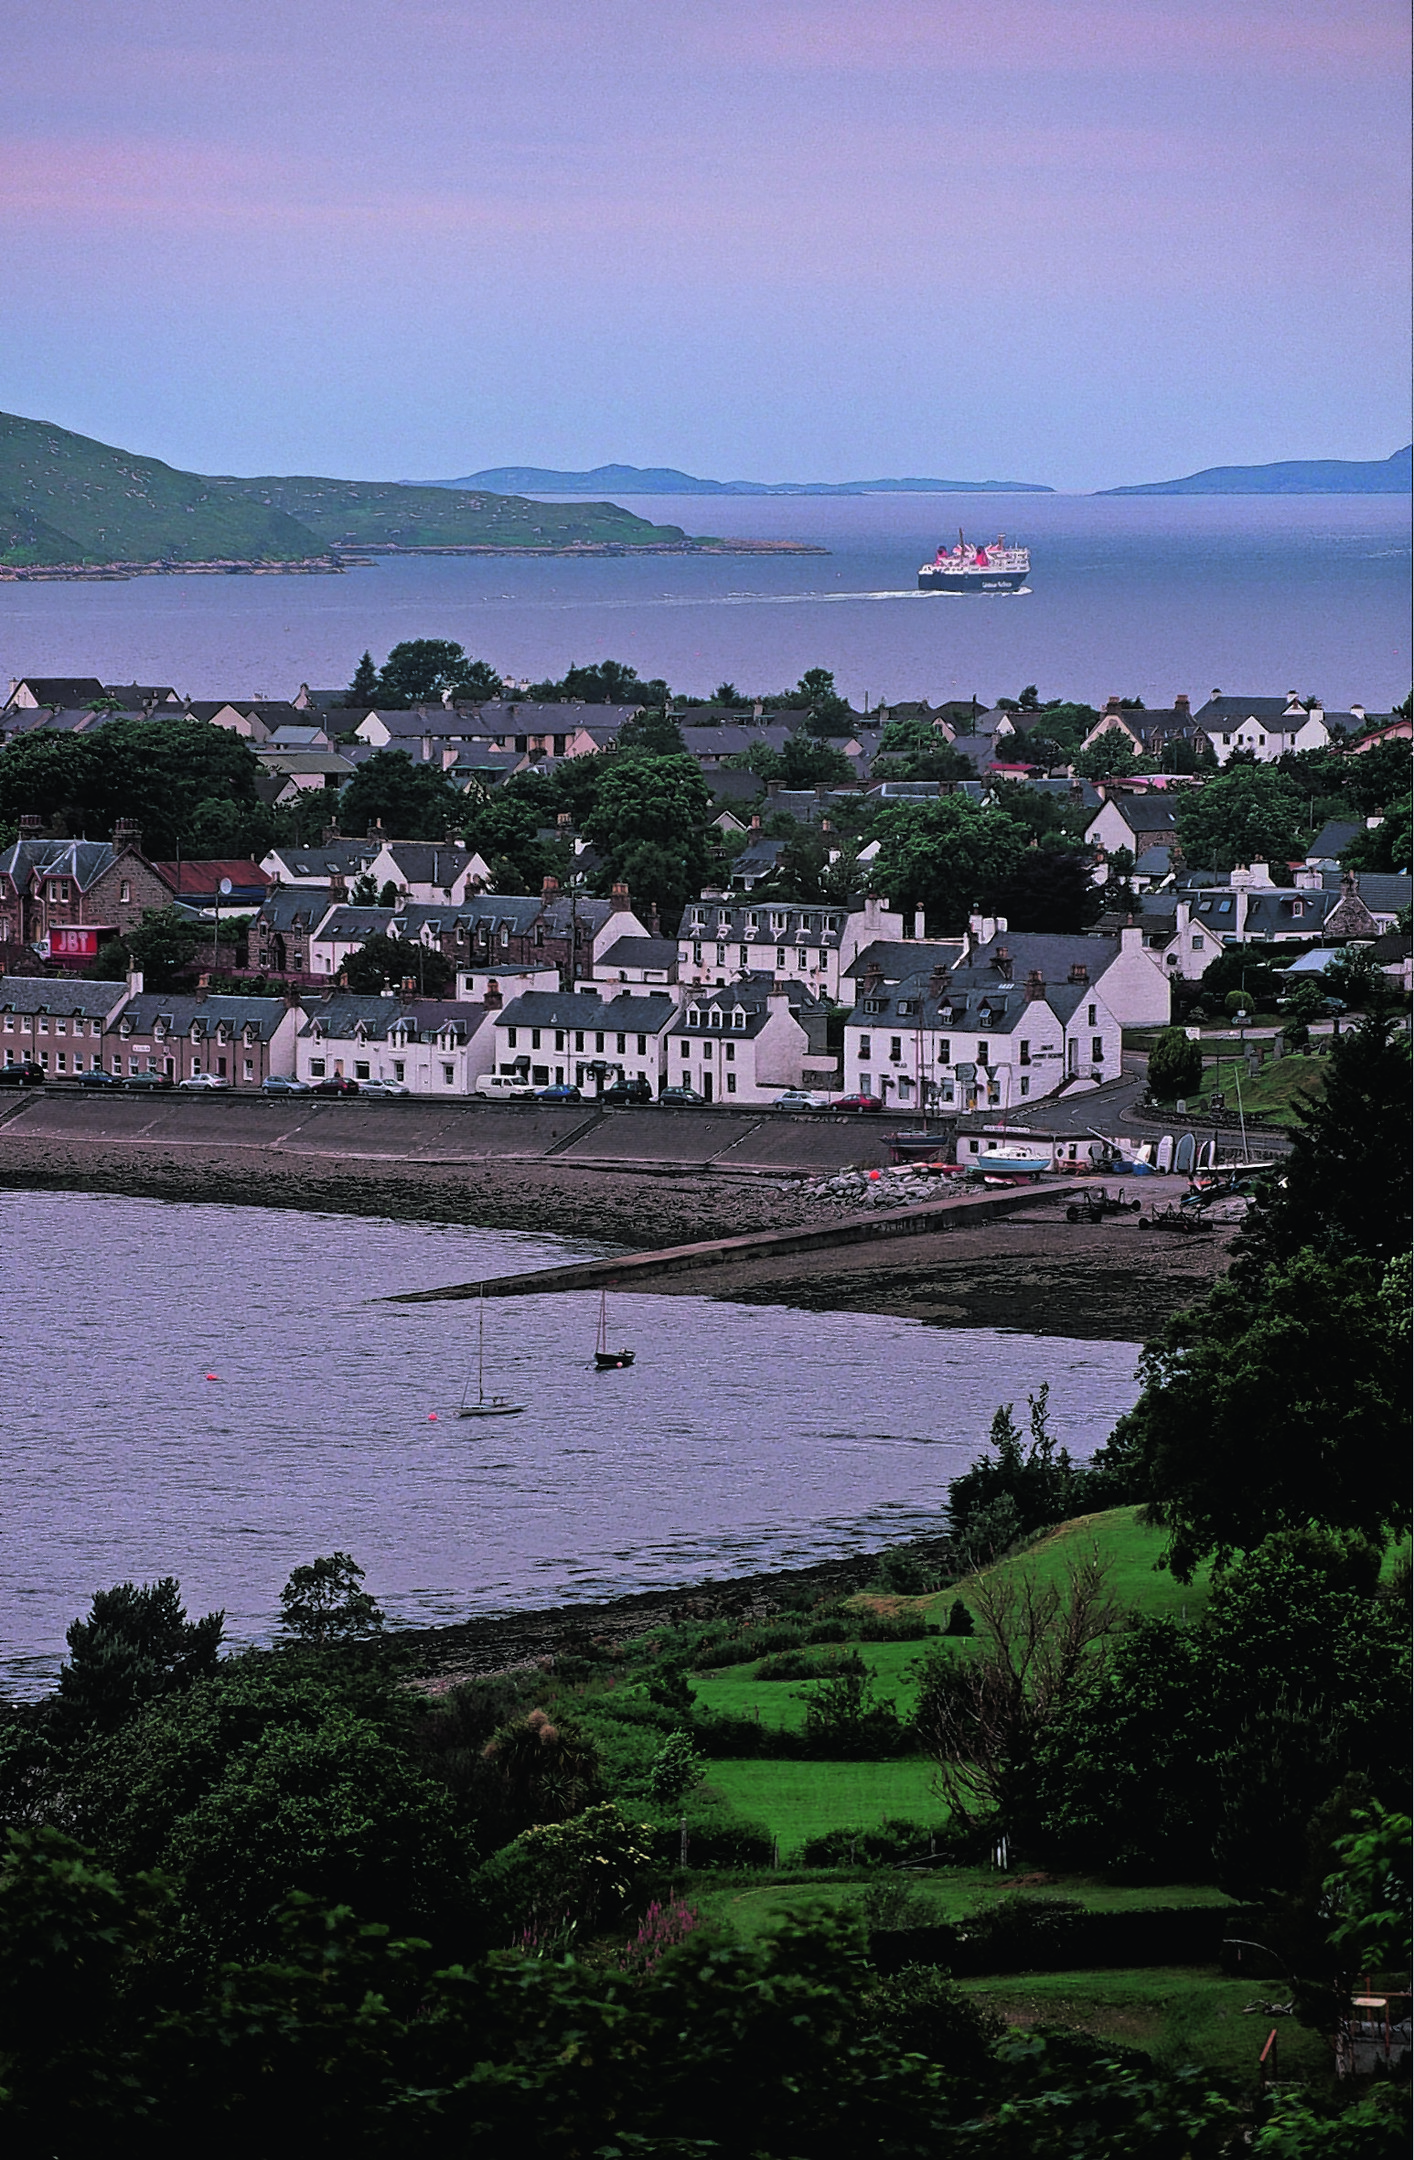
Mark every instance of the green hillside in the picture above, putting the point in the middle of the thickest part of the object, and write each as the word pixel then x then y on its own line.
pixel 370 513
pixel 65 498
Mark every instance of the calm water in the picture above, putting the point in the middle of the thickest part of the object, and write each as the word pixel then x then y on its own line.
pixel 745 1437
pixel 1144 597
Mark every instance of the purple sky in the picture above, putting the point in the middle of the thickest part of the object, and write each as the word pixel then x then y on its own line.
pixel 1078 241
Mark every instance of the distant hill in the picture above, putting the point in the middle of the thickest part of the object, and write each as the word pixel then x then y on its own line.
pixel 65 498
pixel 667 480
pixel 1301 476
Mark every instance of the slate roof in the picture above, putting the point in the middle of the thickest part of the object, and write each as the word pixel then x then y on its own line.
pixel 1383 891
pixel 181 1012
pixel 803 924
pixel 427 862
pixel 339 1015
pixel 331 858
pixel 58 689
pixel 60 995
pixel 1145 813
pixel 351 925
pixel 900 960
pixel 84 861
pixel 1223 713
pixel 911 1004
pixel 753 997
pixel 294 907
pixel 587 1009
pixel 643 952
pixel 1334 835
pixel 1052 955
pixel 1154 862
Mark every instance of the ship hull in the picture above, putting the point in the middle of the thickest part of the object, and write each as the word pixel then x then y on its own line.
pixel 971 581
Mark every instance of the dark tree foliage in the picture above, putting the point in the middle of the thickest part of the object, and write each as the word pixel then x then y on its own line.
pixel 653 733
pixel 1049 888
pixel 1243 967
pixel 326 1602
pixel 1348 1174
pixel 183 783
pixel 943 855
pixel 1035 1476
pixel 421 669
pixel 383 960
pixel 410 802
pixel 363 690
pixel 1248 813
pixel 607 682
pixel 1278 1400
pixel 1175 1066
pixel 136 1644
pixel 649 825
pixel 164 946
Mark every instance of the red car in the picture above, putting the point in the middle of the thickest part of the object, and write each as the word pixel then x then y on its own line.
pixel 856 1102
pixel 336 1084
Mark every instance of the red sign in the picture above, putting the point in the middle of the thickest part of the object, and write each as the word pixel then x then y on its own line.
pixel 73 944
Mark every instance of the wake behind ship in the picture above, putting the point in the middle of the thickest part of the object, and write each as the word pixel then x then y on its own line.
pixel 969 569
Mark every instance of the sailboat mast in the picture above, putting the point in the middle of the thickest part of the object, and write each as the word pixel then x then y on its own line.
pixel 481 1346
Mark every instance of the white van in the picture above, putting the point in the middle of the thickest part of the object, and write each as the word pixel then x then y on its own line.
pixel 505 1087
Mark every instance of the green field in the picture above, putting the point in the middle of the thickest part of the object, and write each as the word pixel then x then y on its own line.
pixel 1180 2013
pixel 1273 1094
pixel 800 1800
pixel 756 1904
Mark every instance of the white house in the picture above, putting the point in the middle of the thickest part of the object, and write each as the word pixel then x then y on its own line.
pixel 1268 727
pixel 723 936
pixel 1137 822
pixel 749 1042
pixel 431 1048
pixel 488 984
pixel 1130 986
pixel 575 1037
pixel 431 872
pixel 325 864
pixel 925 1044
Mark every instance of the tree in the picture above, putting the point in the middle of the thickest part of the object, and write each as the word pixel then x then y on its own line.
pixel 981 1716
pixel 1249 813
pixel 1355 977
pixel 1050 888
pixel 649 824
pixel 1371 1891
pixel 1243 967
pixel 1385 846
pixel 1175 1066
pixel 1347 1177
pixel 421 669
pixel 363 690
pixel 323 1603
pixel 410 802
pixel 164 945
pixel 1035 1476
pixel 653 733
pixel 676 1770
pixel 1276 1401
pixel 806 762
pixel 136 1644
pixel 381 960
pixel 1111 756
pixel 943 855
pixel 827 709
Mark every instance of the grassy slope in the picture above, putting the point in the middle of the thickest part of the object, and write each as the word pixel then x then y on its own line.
pixel 65 498
pixel 371 512
pixel 1274 1093
pixel 753 1906
pixel 800 1800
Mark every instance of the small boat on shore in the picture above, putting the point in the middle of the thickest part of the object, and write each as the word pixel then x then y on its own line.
pixel 605 1359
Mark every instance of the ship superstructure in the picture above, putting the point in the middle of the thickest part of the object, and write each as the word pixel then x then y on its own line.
pixel 973 569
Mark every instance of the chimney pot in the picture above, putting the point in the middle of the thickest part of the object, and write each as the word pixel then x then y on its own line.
pixel 1079 972
pixel 1035 985
pixel 549 887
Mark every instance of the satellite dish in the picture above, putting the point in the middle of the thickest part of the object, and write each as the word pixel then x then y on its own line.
pixel 226 887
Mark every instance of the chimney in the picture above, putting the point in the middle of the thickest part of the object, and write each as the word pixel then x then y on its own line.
pixel 755 821
pixel 565 818
pixel 292 998
pixel 134 982
pixel 1180 704
pixel 937 981
pixel 549 888
pixel 332 836
pixel 873 977
pixel 203 988
pixel 1001 961
pixel 1035 985
pixel 30 826
pixel 491 996
pixel 920 923
pixel 1111 705
pixel 375 832
pixel 618 899
pixel 1079 972
pixel 773 789
pixel 127 833
pixel 338 886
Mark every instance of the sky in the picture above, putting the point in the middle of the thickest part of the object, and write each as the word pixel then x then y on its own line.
pixel 1071 241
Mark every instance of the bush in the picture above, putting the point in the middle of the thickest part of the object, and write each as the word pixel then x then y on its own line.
pixel 960 1620
pixel 922 2011
pixel 568 1876
pixel 800 1665
pixel 900 1573
pixel 1175 1066
pixel 883 1845
pixel 894 1902
pixel 845 1723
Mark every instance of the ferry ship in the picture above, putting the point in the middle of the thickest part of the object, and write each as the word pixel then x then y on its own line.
pixel 969 569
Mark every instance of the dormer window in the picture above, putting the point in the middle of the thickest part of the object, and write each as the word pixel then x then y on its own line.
pixel 738 1017
pixel 699 915
pixel 908 1005
pixel 694 1016
pixel 716 1020
pixel 753 922
pixel 945 1016
pixel 876 1004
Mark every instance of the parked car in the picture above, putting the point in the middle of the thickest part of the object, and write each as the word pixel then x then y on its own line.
pixel 384 1087
pixel 621 1093
pixel 99 1079
pixel 562 1091
pixel 25 1075
pixel 504 1087
pixel 856 1102
pixel 680 1096
pixel 336 1084
pixel 203 1080
pixel 800 1099
pixel 284 1084
pixel 146 1080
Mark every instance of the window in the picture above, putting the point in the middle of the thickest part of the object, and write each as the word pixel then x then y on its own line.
pixel 511 1037
pixel 721 956
pixel 743 956
pixel 449 1074
pixel 559 1038
pixel 716 1019
pixel 1097 1050
pixel 316 1066
pixel 895 1049
pixel 687 1049
pixel 620 1043
pixel 361 1069
pixel 535 1038
pixel 397 1068
pixel 1025 1085
pixel 59 1061
pixel 730 1052
pixel 738 1017
pixel 1025 1058
pixel 579 1039
pixel 1224 907
pixel 125 892
pixel 864 1049
pixel 599 1040
pixel 1198 942
pixel 697 956
pixel 944 1051
pixel 983 1052
pixel 249 1071
pixel 221 1068
pixel 731 1077
pixel 780 956
pixel 44 1027
pixel 642 1045
pixel 1091 1016
pixel 694 1016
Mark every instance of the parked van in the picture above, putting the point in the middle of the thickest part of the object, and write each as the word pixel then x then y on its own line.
pixel 505 1087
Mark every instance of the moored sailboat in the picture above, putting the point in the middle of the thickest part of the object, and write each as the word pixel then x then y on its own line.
pixel 605 1359
pixel 485 1405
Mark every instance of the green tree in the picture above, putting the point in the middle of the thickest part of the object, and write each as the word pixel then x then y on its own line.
pixel 1249 813
pixel 1385 846
pixel 676 1770
pixel 943 855
pixel 649 824
pixel 164 945
pixel 326 1603
pixel 1050 889
pixel 421 669
pixel 1276 1401
pixel 652 733
pixel 410 802
pixel 829 712
pixel 1372 1891
pixel 136 1644
pixel 363 690
pixel 806 761
pixel 1112 756
pixel 1346 1189
pixel 381 960
pixel 1175 1066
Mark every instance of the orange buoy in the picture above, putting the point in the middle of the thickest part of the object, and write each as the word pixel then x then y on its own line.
pixel 211 1376
pixel 431 1417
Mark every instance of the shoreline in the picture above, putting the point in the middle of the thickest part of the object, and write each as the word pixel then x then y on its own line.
pixel 364 556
